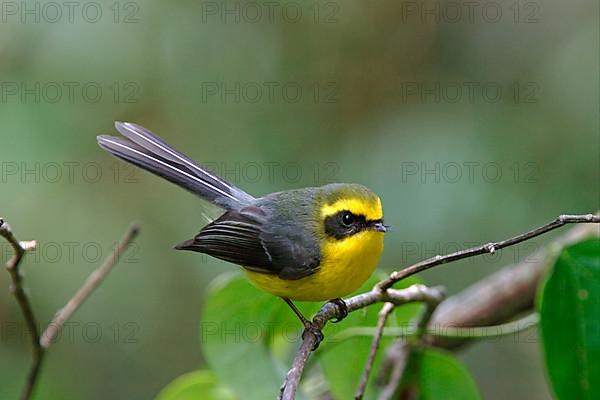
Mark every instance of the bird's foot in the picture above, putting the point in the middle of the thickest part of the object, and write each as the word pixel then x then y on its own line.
pixel 342 309
pixel 316 332
pixel 308 325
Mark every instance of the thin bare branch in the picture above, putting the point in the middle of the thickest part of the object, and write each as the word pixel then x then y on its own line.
pixel 12 266
pixel 364 379
pixel 394 365
pixel 41 343
pixel 397 358
pixel 486 248
pixel 501 296
pixel 91 283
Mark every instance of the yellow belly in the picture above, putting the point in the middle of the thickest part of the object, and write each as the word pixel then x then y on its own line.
pixel 345 266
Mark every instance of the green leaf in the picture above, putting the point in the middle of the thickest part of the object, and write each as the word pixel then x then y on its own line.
pixel 342 361
pixel 569 306
pixel 197 385
pixel 249 337
pixel 439 375
pixel 235 331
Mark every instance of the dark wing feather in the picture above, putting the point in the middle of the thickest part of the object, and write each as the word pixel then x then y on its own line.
pixel 241 237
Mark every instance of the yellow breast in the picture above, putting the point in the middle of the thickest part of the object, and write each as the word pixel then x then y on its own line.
pixel 345 266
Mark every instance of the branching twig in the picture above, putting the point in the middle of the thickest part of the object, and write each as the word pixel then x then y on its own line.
pixel 394 366
pixel 486 248
pixel 12 266
pixel 399 354
pixel 502 295
pixel 497 298
pixel 41 343
pixel 382 292
pixel 420 322
pixel 415 293
pixel 383 315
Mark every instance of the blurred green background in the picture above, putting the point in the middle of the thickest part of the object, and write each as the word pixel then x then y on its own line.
pixel 470 126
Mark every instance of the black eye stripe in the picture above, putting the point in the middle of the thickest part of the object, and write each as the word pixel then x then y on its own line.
pixel 337 228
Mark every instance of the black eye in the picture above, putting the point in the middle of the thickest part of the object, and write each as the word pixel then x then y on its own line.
pixel 347 218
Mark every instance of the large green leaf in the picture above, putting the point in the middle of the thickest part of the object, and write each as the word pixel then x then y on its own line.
pixel 570 322
pixel 439 375
pixel 197 385
pixel 342 357
pixel 236 326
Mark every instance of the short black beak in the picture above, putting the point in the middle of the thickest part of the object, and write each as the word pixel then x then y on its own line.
pixel 379 226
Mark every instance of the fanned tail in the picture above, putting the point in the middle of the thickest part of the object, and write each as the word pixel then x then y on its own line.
pixel 146 150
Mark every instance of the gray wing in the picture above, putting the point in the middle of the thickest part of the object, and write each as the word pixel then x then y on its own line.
pixel 242 237
pixel 146 150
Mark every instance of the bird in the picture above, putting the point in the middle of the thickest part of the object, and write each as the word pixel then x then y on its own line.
pixel 306 244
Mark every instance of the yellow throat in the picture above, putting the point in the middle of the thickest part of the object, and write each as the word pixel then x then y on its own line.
pixel 346 263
